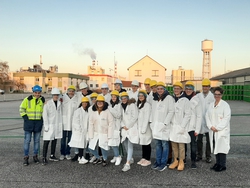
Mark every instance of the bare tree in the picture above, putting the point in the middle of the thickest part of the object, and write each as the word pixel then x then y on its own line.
pixel 4 71
pixel 19 85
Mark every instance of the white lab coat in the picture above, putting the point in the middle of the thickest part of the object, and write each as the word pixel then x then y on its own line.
pixel 80 96
pixel 150 98
pixel 129 119
pixel 101 127
pixel 133 95
pixel 219 117
pixel 145 133
pixel 116 113
pixel 161 116
pixel 180 121
pixel 52 119
pixel 205 101
pixel 79 129
pixel 68 107
pixel 196 115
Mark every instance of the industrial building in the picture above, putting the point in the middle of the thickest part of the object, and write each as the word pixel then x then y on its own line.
pixel 181 75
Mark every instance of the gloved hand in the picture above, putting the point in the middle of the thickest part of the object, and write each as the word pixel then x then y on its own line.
pixel 25 117
pixel 46 128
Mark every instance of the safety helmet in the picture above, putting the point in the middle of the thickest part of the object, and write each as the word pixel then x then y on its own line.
pixel 124 94
pixel 37 88
pixel 72 87
pixel 135 83
pixel 143 92
pixel 153 83
pixel 117 81
pixel 100 98
pixel 147 81
pixel 160 84
pixel 189 83
pixel 93 95
pixel 178 84
pixel 115 92
pixel 206 82
pixel 85 99
pixel 104 85
pixel 83 85
pixel 55 91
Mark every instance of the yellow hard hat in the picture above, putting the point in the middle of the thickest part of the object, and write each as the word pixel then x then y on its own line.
pixel 85 99
pixel 178 84
pixel 115 92
pixel 100 98
pixel 206 82
pixel 160 84
pixel 153 83
pixel 124 94
pixel 72 87
pixel 93 95
pixel 147 81
pixel 189 83
pixel 143 91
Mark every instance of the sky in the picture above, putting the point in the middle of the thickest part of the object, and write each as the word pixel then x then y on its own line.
pixel 168 31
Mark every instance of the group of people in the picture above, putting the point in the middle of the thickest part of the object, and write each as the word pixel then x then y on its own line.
pixel 93 123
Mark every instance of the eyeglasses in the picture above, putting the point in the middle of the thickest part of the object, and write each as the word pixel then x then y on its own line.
pixel 104 88
pixel 216 94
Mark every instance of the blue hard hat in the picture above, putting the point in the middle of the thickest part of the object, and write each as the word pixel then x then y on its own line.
pixel 37 88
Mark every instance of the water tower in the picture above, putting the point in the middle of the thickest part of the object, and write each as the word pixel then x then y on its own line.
pixel 206 47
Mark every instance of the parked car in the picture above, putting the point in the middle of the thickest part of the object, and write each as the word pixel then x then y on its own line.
pixel 1 91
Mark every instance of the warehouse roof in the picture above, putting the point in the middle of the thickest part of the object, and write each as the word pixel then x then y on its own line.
pixel 233 74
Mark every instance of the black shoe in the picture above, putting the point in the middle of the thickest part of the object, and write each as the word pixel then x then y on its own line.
pixel 75 158
pixel 53 158
pixel 26 161
pixel 220 168
pixel 214 167
pixel 169 161
pixel 198 159
pixel 193 165
pixel 87 156
pixel 97 161
pixel 35 159
pixel 208 160
pixel 44 161
pixel 104 163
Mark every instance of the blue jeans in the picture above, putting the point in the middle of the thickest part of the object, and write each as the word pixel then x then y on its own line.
pixel 27 139
pixel 129 148
pixel 65 148
pixel 193 145
pixel 162 150
pixel 116 150
pixel 95 153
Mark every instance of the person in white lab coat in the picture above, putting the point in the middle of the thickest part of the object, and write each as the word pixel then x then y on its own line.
pixel 84 92
pixel 179 127
pixel 145 133
pixel 115 109
pixel 129 130
pixel 195 120
pixel 101 128
pixel 205 97
pixel 161 116
pixel 52 121
pixel 105 92
pixel 80 129
pixel 134 92
pixel 218 121
pixel 147 85
pixel 69 105
pixel 153 92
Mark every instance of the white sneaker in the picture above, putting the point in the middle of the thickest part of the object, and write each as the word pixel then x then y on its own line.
pixel 113 160
pixel 118 160
pixel 126 167
pixel 68 157
pixel 79 158
pixel 131 161
pixel 83 161
pixel 62 157
pixel 141 161
pixel 92 159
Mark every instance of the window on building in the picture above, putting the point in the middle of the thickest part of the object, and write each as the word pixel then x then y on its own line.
pixel 155 73
pixel 37 79
pixel 59 79
pixel 49 79
pixel 137 72
pixel 91 85
pixel 97 85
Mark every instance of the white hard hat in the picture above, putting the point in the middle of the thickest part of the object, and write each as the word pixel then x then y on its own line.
pixel 117 81
pixel 83 85
pixel 104 85
pixel 55 91
pixel 135 83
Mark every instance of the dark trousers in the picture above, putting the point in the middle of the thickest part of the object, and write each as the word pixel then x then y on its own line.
pixel 193 146
pixel 80 152
pixel 200 146
pixel 65 148
pixel 221 159
pixel 46 145
pixel 146 152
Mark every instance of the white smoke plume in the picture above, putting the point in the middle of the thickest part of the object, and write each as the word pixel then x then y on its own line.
pixel 84 51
